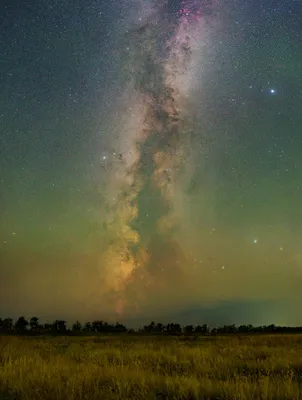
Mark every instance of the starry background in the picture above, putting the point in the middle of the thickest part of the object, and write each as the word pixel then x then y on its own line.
pixel 63 72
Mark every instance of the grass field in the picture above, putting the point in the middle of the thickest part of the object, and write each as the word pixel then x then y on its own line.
pixel 138 367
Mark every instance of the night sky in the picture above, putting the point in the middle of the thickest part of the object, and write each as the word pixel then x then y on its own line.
pixel 151 160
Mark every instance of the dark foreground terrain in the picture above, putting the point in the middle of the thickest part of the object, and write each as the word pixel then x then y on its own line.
pixel 140 367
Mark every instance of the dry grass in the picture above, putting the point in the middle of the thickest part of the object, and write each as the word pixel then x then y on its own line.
pixel 128 367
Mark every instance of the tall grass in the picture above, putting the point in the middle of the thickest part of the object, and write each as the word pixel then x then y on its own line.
pixel 128 367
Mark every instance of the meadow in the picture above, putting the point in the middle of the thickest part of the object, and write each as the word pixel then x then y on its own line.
pixel 247 367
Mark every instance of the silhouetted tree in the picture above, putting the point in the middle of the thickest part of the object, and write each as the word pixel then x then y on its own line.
pixel 34 324
pixel 271 328
pixel 21 324
pixel 150 327
pixel 188 329
pixel 242 329
pixel 173 328
pixel 59 326
pixel 227 329
pixel 77 326
pixel 120 328
pixel 7 325
pixel 159 328
pixel 202 329
pixel 47 327
pixel 87 327
pixel 96 326
pixel 105 327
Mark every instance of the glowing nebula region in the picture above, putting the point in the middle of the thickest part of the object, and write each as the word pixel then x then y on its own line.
pixel 146 191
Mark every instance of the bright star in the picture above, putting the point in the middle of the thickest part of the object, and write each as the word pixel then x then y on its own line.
pixel 272 91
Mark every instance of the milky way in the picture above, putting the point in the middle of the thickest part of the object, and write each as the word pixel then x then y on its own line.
pixel 146 188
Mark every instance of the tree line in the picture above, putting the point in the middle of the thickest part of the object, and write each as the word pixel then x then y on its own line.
pixel 33 326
